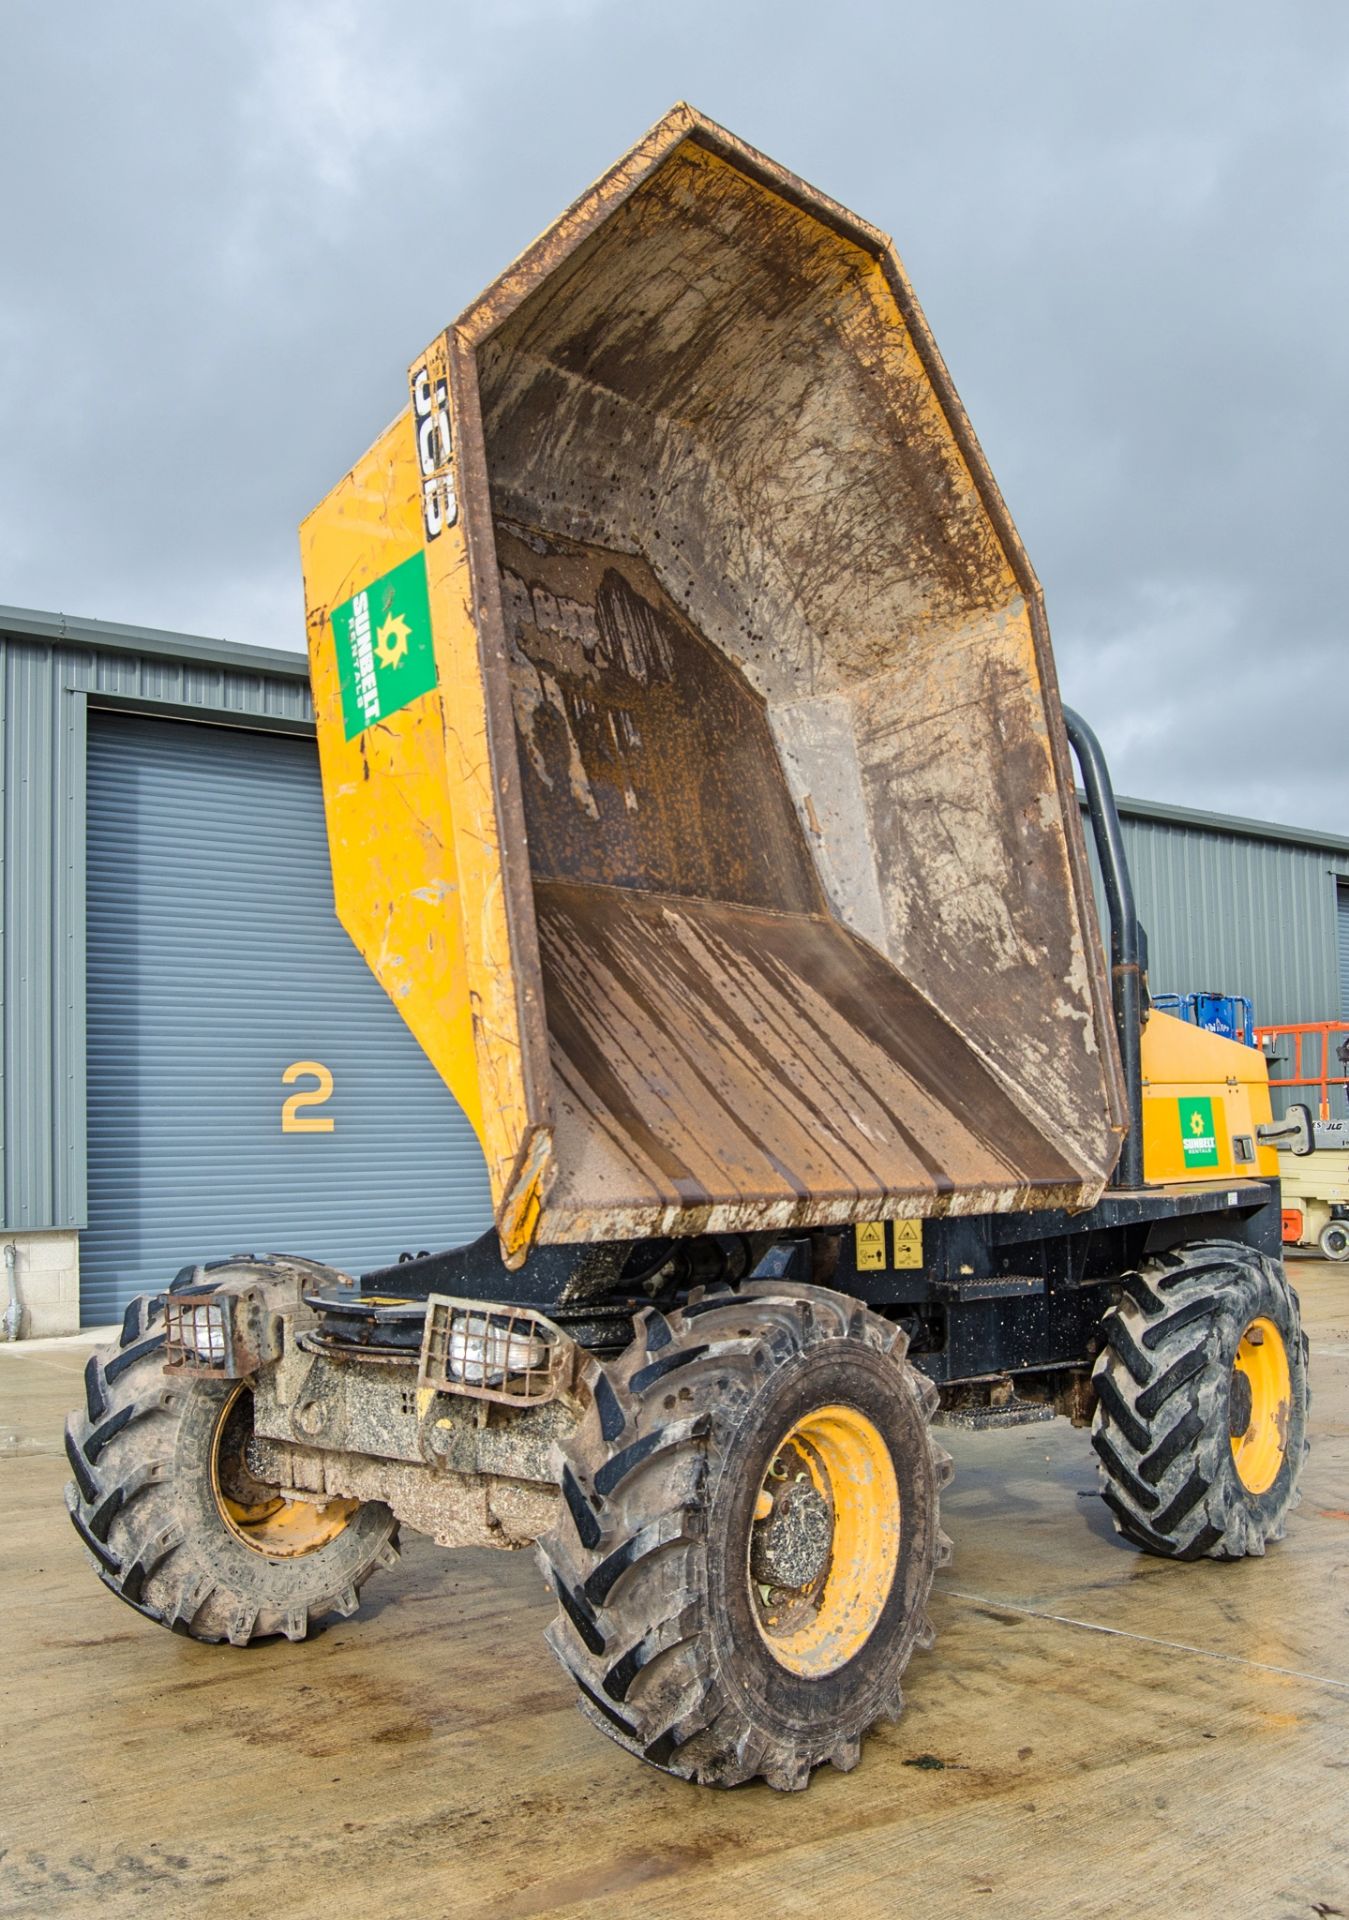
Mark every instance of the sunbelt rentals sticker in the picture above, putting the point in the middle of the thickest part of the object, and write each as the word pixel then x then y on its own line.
pixel 1198 1135
pixel 384 653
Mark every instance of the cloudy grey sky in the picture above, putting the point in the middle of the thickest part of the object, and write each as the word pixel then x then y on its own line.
pixel 225 228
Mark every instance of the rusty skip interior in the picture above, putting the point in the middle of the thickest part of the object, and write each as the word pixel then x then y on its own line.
pixel 812 926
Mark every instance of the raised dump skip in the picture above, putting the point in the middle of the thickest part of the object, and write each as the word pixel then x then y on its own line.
pixel 782 915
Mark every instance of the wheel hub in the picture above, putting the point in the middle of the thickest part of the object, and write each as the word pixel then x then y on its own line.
pixel 824 1542
pixel 1240 1402
pixel 1259 1403
pixel 790 1547
pixel 256 1512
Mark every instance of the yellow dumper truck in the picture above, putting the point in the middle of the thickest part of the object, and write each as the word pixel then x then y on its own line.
pixel 697 786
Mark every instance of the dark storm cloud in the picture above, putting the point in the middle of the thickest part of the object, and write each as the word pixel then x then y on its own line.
pixel 227 229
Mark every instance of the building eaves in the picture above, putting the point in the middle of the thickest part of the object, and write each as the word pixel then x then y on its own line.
pixel 1231 823
pixel 111 636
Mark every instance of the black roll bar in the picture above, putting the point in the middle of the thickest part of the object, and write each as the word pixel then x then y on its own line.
pixel 1126 936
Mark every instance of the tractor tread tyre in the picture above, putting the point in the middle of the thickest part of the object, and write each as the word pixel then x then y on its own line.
pixel 1163 1383
pixel 143 1504
pixel 678 1426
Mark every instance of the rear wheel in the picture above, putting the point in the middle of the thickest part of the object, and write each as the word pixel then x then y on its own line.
pixel 1202 1398
pixel 748 1536
pixel 176 1521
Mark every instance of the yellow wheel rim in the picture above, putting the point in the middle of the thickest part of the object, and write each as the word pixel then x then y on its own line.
pixel 255 1513
pixel 1261 1397
pixel 824 1542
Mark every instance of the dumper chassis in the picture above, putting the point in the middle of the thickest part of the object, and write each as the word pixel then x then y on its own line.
pixel 701 1457
pixel 697 788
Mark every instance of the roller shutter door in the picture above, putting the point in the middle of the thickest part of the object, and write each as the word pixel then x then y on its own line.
pixel 215 964
pixel 1342 936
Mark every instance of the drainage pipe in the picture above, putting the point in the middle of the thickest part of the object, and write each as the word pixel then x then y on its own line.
pixel 13 1317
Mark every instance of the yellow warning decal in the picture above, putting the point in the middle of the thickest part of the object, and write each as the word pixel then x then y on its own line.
pixel 870 1235
pixel 908 1243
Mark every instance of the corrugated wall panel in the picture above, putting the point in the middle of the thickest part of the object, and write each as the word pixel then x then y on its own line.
pixel 68 940
pixel 1342 933
pixel 1235 914
pixel 216 962
pixel 192 684
pixel 43 955
pixel 45 688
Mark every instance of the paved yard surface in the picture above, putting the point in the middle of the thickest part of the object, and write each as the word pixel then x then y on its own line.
pixel 1095 1734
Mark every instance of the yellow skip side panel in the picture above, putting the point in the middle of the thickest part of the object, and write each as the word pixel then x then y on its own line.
pixel 410 796
pixel 1197 1085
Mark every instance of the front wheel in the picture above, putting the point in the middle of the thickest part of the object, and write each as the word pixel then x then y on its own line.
pixel 177 1523
pixel 748 1535
pixel 1201 1413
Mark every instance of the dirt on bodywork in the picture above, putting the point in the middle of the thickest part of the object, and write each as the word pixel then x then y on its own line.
pixel 772 905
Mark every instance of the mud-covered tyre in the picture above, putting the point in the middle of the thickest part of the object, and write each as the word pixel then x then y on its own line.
pixel 175 1525
pixel 748 1534
pixel 1201 1412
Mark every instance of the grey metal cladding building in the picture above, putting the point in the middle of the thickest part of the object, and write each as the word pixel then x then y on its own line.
pixel 1242 906
pixel 195 1060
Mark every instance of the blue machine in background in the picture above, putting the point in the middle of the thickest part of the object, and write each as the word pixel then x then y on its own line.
pixel 1229 1014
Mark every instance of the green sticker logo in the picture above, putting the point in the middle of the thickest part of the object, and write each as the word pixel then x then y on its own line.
pixel 384 654
pixel 1198 1137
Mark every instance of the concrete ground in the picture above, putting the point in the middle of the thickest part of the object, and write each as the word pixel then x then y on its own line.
pixel 1095 1733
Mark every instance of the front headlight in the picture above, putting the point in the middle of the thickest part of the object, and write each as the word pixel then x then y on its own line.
pixel 482 1354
